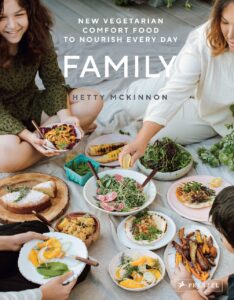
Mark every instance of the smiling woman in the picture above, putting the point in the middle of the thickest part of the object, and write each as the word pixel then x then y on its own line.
pixel 26 49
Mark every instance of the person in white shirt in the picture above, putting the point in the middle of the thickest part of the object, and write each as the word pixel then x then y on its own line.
pixel 204 69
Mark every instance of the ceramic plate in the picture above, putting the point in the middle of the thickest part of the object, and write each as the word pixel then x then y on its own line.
pixel 196 214
pixel 134 253
pixel 107 139
pixel 77 247
pixel 169 254
pixel 90 189
pixel 166 238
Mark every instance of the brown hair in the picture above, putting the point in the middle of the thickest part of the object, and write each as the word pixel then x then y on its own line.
pixel 222 213
pixel 215 36
pixel 35 42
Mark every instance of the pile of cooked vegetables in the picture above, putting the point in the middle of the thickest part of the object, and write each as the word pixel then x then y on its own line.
pixel 197 253
pixel 166 155
pixel 118 193
pixel 221 153
pixel 107 152
pixel 63 137
pixel 79 226
pixel 139 273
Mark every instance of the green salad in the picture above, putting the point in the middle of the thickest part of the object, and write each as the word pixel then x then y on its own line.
pixel 118 193
pixel 166 155
pixel 52 269
pixel 80 168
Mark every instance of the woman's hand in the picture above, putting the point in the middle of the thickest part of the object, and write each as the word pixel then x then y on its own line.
pixel 135 148
pixel 55 289
pixel 38 144
pixel 15 242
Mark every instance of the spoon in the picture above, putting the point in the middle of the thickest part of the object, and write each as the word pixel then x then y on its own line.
pixel 38 129
pixel 87 261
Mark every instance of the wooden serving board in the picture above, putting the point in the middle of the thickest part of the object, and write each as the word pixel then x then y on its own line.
pixel 59 203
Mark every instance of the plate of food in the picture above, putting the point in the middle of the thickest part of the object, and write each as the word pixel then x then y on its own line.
pixel 81 225
pixel 172 160
pixel 196 248
pixel 136 270
pixel 192 197
pixel 149 230
pixel 61 137
pixel 119 193
pixel 106 148
pixel 39 261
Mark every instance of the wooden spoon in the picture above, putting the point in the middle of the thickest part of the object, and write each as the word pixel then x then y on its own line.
pixel 149 177
pixel 94 173
pixel 44 220
pixel 88 261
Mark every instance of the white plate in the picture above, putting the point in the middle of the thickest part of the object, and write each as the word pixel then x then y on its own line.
pixel 90 188
pixel 167 175
pixel 134 253
pixel 166 238
pixel 49 145
pixel 77 248
pixel 169 254
pixel 107 139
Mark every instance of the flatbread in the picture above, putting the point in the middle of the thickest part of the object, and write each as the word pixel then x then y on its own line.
pixel 160 222
pixel 185 198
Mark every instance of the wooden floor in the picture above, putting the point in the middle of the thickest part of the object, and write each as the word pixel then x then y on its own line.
pixel 66 12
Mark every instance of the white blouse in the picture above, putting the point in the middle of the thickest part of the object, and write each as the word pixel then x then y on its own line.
pixel 197 72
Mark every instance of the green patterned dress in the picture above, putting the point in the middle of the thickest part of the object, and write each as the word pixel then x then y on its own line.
pixel 21 100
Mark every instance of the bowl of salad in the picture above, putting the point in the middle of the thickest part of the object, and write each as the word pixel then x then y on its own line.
pixel 119 192
pixel 61 137
pixel 172 160
pixel 136 270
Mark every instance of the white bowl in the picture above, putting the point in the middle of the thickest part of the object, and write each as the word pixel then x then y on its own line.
pixel 90 189
pixel 49 145
pixel 167 175
pixel 134 253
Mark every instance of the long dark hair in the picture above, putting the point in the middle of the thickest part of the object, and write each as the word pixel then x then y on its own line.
pixel 35 41
pixel 214 35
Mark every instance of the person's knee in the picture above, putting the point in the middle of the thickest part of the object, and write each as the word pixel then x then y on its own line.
pixel 10 159
pixel 98 103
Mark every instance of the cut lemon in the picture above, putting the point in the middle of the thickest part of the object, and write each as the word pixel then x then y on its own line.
pixel 216 182
pixel 126 161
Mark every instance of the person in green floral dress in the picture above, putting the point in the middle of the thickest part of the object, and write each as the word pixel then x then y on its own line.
pixel 27 49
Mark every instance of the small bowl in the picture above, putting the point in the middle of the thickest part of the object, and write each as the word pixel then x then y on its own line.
pixel 49 145
pixel 134 253
pixel 73 176
pixel 167 176
pixel 92 238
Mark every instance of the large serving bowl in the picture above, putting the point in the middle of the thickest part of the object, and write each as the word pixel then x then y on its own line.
pixel 90 190
pixel 167 176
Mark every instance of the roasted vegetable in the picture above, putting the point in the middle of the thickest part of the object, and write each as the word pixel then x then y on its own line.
pixel 203 262
pixel 198 237
pixel 193 250
pixel 205 246
pixel 102 149
pixel 178 259
pixel 111 156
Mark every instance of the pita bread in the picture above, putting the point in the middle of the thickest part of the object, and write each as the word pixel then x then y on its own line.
pixel 159 221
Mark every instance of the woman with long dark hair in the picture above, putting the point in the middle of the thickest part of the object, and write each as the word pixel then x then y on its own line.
pixel 204 70
pixel 26 48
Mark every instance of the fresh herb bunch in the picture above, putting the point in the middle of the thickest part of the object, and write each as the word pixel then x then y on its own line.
pixel 221 153
pixel 80 168
pixel 23 191
pixel 128 191
pixel 166 155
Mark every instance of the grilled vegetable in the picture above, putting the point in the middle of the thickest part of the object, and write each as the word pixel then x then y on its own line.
pixel 193 250
pixel 198 237
pixel 178 259
pixel 203 262
pixel 111 156
pixel 102 149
